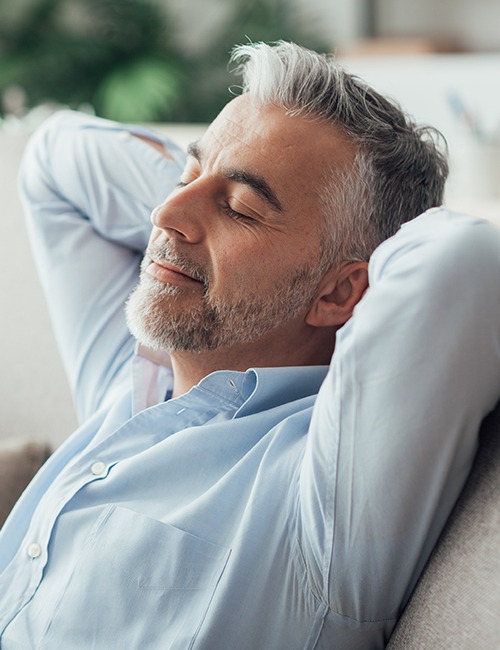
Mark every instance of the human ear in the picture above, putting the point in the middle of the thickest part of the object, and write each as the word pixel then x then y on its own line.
pixel 340 291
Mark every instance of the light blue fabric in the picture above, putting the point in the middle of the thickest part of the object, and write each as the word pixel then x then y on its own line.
pixel 281 508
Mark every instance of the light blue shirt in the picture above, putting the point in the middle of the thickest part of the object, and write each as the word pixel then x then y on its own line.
pixel 276 509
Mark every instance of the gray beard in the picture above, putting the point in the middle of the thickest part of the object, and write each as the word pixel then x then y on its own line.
pixel 156 321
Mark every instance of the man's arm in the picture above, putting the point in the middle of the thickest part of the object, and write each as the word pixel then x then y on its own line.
pixel 395 425
pixel 88 188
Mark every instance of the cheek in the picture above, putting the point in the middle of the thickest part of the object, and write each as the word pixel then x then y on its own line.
pixel 250 268
pixel 245 259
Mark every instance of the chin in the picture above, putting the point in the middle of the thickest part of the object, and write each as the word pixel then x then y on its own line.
pixel 146 312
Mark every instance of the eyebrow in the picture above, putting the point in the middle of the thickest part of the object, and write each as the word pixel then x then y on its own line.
pixel 259 185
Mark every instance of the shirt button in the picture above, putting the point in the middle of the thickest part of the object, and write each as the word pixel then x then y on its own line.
pixel 34 551
pixel 98 468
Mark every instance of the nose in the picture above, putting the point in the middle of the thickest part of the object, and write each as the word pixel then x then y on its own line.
pixel 179 215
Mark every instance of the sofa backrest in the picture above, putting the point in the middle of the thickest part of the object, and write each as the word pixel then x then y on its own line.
pixel 456 604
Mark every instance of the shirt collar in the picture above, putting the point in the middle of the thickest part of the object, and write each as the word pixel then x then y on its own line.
pixel 273 387
pixel 253 391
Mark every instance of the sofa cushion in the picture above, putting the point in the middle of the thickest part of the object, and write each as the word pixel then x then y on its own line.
pixel 456 603
pixel 19 462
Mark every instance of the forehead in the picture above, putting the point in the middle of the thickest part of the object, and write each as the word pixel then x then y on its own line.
pixel 293 152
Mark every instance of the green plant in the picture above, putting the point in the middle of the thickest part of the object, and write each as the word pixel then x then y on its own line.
pixel 119 55
pixel 113 54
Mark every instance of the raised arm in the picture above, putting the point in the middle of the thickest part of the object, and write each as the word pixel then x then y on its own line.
pixel 88 188
pixel 395 425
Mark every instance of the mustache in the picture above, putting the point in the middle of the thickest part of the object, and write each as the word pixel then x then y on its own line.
pixel 165 252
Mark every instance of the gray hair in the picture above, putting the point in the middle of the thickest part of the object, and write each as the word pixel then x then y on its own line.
pixel 398 171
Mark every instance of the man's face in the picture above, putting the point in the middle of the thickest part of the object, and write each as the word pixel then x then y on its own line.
pixel 235 251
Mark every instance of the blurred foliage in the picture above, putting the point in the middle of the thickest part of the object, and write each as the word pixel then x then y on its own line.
pixel 120 55
pixel 113 54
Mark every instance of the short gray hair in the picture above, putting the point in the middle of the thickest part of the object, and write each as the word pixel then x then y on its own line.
pixel 399 170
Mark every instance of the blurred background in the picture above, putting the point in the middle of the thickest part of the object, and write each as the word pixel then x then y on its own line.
pixel 166 60
pixel 136 60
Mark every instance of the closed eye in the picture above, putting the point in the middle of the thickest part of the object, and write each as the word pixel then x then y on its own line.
pixel 236 215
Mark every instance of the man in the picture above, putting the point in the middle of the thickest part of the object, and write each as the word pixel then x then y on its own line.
pixel 232 484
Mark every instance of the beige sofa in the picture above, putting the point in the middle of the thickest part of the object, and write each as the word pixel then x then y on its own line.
pixel 456 605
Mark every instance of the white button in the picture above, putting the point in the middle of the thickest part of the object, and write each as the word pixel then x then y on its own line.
pixel 98 468
pixel 34 551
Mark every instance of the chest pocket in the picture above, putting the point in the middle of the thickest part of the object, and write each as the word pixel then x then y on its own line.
pixel 139 583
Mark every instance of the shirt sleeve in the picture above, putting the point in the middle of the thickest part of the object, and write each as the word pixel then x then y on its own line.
pixel 394 428
pixel 88 188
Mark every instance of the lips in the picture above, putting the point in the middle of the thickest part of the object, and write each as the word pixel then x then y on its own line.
pixel 169 273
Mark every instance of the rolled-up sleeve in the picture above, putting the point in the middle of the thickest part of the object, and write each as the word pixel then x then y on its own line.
pixel 88 187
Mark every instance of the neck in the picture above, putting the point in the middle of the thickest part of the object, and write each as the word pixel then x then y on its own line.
pixel 315 347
